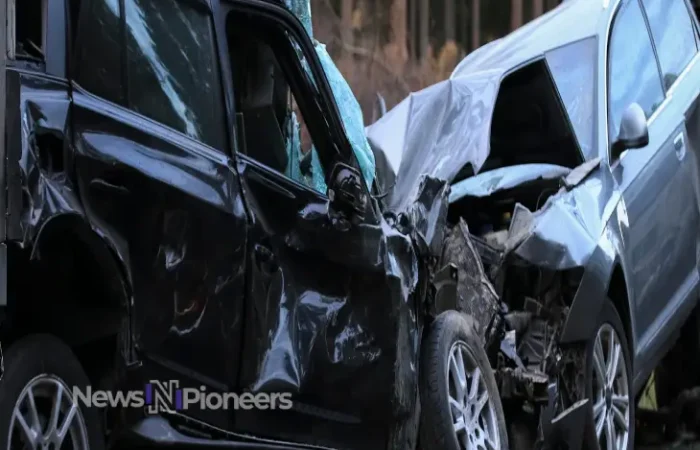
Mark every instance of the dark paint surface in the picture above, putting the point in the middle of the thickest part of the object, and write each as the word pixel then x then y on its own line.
pixel 332 316
pixel 172 211
pixel 237 277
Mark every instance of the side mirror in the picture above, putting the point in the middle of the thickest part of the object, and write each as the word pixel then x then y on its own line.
pixel 379 108
pixel 347 196
pixel 634 132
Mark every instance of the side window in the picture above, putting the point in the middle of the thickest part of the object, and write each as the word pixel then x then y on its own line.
pixel 30 29
pixel 573 68
pixel 98 55
pixel 173 73
pixel 633 74
pixel 274 127
pixel 674 36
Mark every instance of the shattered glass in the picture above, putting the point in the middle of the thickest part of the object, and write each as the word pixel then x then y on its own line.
pixel 351 114
pixel 348 106
pixel 313 177
pixel 302 10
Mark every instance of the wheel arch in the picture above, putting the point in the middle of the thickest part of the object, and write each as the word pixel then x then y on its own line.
pixel 604 277
pixel 72 279
pixel 77 227
pixel 617 292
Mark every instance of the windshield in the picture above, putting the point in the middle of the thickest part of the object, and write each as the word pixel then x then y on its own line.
pixel 573 68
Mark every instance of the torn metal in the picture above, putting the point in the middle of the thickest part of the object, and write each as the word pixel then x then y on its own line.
pixel 296 296
pixel 362 328
pixel 522 231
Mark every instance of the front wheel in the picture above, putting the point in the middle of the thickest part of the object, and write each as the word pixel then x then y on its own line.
pixel 461 407
pixel 609 382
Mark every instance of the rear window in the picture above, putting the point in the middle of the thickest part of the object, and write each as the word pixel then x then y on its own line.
pixel 573 68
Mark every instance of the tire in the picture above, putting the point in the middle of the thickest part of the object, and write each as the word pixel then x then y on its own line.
pixel 609 320
pixel 47 364
pixel 452 332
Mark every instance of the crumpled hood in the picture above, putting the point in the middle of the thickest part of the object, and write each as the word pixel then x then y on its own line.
pixel 434 132
pixel 488 183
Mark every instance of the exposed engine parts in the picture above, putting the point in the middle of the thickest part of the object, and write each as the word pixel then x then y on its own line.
pixel 521 310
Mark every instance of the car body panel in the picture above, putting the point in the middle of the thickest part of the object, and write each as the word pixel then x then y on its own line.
pixel 220 253
pixel 321 325
pixel 165 203
pixel 640 214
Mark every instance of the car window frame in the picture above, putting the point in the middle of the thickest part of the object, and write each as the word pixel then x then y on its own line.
pixel 694 20
pixel 696 37
pixel 594 93
pixel 306 81
pixel 325 102
pixel 613 22
pixel 53 43
pixel 201 5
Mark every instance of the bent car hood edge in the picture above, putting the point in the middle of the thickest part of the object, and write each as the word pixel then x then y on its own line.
pixel 435 132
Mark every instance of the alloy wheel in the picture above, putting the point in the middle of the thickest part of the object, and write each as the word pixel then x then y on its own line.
pixel 611 404
pixel 473 416
pixel 46 417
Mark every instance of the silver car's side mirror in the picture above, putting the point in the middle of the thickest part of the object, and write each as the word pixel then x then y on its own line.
pixel 379 108
pixel 634 132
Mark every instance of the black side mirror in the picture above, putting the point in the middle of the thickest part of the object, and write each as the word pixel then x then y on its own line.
pixel 634 132
pixel 347 195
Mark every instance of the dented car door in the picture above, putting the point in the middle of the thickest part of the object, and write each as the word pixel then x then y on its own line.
pixel 321 319
pixel 155 180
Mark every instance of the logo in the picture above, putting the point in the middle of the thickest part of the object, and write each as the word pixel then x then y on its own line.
pixel 163 396
pixel 168 397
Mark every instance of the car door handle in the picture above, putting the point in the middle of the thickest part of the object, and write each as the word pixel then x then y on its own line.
pixel 106 186
pixel 679 146
pixel 265 259
pixel 678 142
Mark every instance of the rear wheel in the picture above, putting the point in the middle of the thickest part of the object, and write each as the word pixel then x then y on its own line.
pixel 461 407
pixel 37 408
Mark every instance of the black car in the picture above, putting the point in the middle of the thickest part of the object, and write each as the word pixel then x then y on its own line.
pixel 176 272
pixel 154 248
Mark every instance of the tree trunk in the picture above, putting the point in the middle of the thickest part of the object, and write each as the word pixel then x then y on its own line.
pixel 476 24
pixel 537 8
pixel 413 28
pixel 516 14
pixel 346 10
pixel 450 20
pixel 463 31
pixel 424 27
pixel 399 36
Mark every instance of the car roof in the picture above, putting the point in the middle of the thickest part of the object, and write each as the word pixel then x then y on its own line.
pixel 569 22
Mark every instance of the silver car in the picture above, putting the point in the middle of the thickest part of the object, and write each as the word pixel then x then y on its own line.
pixel 571 146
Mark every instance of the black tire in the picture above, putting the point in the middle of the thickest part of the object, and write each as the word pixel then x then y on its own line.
pixel 436 424
pixel 43 354
pixel 610 316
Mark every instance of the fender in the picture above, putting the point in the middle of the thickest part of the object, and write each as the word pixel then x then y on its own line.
pixel 594 287
pixel 108 259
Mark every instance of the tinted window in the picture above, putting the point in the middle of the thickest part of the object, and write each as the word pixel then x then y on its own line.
pixel 674 36
pixel 275 130
pixel 172 68
pixel 633 73
pixel 98 66
pixel 573 69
